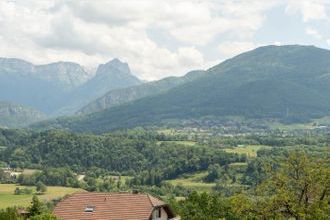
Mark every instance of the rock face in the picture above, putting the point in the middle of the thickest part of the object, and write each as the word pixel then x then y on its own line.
pixel 66 74
pixel 110 76
pixel 14 115
pixel 62 87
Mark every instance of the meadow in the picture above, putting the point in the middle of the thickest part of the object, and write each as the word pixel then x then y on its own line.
pixel 249 150
pixel 7 197
pixel 193 181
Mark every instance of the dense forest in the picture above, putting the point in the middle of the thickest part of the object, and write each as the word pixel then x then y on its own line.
pixel 287 176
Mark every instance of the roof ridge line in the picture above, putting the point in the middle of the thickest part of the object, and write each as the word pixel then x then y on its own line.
pixel 150 200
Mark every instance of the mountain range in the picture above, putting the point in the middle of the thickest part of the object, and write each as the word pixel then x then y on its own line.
pixel 59 88
pixel 289 83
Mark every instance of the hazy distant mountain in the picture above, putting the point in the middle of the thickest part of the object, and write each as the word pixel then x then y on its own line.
pixel 125 95
pixel 42 87
pixel 289 83
pixel 14 115
pixel 66 74
pixel 110 76
pixel 62 87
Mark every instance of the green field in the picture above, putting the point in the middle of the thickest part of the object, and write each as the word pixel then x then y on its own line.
pixel 324 121
pixel 7 197
pixel 193 182
pixel 249 150
pixel 186 143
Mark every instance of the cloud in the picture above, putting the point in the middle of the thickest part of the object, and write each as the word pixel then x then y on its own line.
pixel 313 32
pixel 230 49
pixel 92 32
pixel 328 42
pixel 310 10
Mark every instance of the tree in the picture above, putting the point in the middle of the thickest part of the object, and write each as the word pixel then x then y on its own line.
pixel 36 207
pixel 41 187
pixel 298 188
pixel 44 217
pixel 9 213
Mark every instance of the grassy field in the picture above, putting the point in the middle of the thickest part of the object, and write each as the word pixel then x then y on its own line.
pixel 324 121
pixel 7 197
pixel 186 143
pixel 249 150
pixel 193 182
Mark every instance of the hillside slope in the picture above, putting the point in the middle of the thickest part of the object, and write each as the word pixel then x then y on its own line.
pixel 290 83
pixel 126 95
pixel 14 115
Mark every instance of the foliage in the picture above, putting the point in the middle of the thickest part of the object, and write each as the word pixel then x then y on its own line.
pixel 9 213
pixel 41 187
pixel 19 191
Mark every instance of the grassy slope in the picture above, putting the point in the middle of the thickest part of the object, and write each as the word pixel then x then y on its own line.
pixel 7 197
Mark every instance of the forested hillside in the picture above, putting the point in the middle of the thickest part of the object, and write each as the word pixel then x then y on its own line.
pixel 14 115
pixel 287 83
pixel 126 95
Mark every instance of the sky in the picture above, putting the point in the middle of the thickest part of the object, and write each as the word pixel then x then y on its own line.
pixel 157 38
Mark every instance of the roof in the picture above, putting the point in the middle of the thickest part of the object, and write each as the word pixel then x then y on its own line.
pixel 110 206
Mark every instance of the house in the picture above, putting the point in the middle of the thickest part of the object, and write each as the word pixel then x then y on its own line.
pixel 113 206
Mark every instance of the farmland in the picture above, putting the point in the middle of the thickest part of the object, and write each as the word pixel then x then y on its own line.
pixel 249 150
pixel 193 181
pixel 7 197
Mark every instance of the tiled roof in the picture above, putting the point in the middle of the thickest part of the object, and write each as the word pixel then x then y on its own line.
pixel 110 206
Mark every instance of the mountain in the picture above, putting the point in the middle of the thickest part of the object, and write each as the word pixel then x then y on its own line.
pixel 14 115
pixel 125 95
pixel 42 87
pixel 61 87
pixel 66 74
pixel 288 83
pixel 110 76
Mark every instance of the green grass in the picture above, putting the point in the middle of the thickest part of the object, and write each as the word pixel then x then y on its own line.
pixel 7 197
pixel 249 150
pixel 193 182
pixel 301 126
pixel 186 143
pixel 29 171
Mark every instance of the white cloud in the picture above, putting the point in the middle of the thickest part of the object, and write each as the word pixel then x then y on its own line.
pixel 91 32
pixel 277 43
pixel 313 32
pixel 230 49
pixel 310 10
pixel 328 42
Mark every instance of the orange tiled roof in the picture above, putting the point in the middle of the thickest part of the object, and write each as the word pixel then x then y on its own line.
pixel 110 206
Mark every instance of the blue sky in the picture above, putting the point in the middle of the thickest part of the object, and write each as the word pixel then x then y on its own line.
pixel 157 38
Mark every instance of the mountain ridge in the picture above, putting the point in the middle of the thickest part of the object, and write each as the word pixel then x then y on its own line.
pixel 285 82
pixel 49 87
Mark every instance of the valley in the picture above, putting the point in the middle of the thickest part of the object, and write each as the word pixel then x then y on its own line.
pixel 209 139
